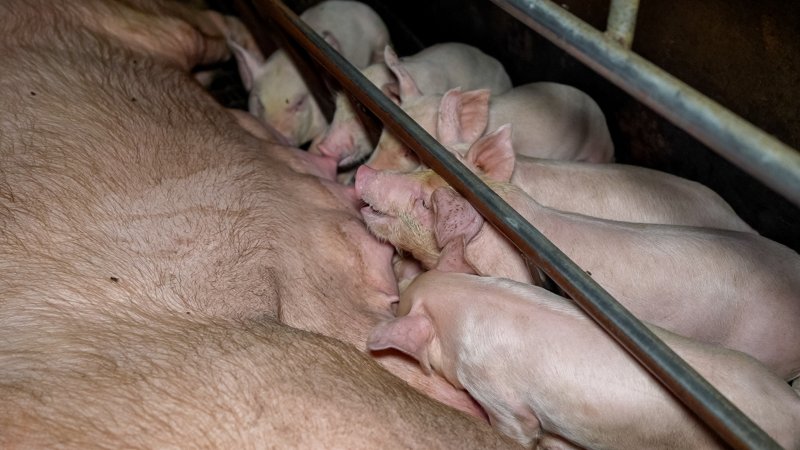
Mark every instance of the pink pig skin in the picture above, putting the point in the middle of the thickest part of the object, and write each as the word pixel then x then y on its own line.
pixel 278 95
pixel 696 282
pixel 688 272
pixel 548 375
pixel 608 191
pixel 551 120
pixel 433 70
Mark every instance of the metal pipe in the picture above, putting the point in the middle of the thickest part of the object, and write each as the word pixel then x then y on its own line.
pixel 622 21
pixel 696 393
pixel 757 153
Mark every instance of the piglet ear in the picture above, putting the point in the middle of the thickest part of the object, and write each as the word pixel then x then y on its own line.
pixel 493 154
pixel 377 56
pixel 463 116
pixel 447 126
pixel 392 90
pixel 408 87
pixel 453 258
pixel 390 56
pixel 331 40
pixel 249 63
pixel 454 217
pixel 411 334
pixel 474 114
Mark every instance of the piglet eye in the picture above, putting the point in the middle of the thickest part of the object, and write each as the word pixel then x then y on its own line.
pixel 426 203
pixel 298 102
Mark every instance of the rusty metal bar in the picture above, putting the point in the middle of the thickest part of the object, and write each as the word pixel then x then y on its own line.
pixel 684 382
pixel 754 151
pixel 622 21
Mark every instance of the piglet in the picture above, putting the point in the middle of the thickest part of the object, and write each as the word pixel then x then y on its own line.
pixel 672 276
pixel 608 191
pixel 547 375
pixel 278 94
pixel 550 120
pixel 433 70
pixel 697 282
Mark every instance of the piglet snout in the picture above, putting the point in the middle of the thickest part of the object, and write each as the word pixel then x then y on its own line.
pixel 365 175
pixel 337 144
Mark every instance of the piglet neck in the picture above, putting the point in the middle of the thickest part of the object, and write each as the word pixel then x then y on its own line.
pixel 552 223
pixel 443 363
pixel 491 254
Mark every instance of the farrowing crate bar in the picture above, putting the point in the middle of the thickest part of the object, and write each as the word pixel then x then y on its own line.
pixel 754 151
pixel 758 153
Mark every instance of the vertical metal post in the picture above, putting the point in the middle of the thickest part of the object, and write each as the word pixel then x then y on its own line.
pixel 622 21
pixel 754 151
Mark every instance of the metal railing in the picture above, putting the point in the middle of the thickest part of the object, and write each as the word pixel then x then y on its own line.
pixel 622 21
pixel 683 381
pixel 740 142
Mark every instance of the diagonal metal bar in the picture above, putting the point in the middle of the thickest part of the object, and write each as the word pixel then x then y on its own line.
pixel 754 151
pixel 683 381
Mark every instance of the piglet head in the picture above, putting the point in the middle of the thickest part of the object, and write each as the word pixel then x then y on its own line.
pixel 429 323
pixel 411 334
pixel 345 140
pixel 391 154
pixel 462 119
pixel 293 117
pixel 412 331
pixel 281 99
pixel 399 209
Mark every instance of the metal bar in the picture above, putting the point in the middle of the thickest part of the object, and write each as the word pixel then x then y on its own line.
pixel 696 393
pixel 622 21
pixel 757 153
